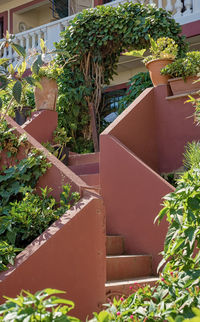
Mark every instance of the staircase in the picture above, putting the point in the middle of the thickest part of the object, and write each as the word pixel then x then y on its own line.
pixel 124 272
pixel 86 166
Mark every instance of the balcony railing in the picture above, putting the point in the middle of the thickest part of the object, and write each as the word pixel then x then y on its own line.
pixel 183 11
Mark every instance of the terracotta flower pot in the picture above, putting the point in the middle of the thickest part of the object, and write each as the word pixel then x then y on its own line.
pixel 154 68
pixel 181 86
pixel 46 97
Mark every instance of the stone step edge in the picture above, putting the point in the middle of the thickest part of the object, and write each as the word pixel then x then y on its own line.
pixel 137 280
pixel 128 256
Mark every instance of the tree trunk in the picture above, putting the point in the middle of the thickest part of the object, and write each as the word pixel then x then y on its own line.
pixel 94 127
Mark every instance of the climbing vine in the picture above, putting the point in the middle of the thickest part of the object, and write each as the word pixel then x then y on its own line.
pixel 93 41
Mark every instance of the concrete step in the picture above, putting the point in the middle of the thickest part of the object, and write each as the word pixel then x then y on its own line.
pixel 78 159
pixel 114 245
pixel 88 168
pixel 128 266
pixel 127 287
pixel 91 179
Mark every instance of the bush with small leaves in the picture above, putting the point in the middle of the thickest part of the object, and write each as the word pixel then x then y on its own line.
pixel 44 306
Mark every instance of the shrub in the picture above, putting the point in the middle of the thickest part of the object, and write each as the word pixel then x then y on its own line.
pixel 23 214
pixel 184 67
pixel 137 84
pixel 192 155
pixel 44 305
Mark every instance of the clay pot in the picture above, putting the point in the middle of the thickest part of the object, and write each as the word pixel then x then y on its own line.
pixel 154 68
pixel 46 97
pixel 181 86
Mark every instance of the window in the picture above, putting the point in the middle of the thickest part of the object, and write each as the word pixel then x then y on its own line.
pixel 110 104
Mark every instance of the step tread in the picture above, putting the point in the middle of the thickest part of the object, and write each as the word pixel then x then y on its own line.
pixel 139 280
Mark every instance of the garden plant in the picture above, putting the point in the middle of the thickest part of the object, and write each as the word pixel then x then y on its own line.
pixel 184 67
pixel 44 305
pixel 24 215
pixel 137 84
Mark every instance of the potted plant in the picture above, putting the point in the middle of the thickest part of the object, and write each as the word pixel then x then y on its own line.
pixel 15 84
pixel 45 74
pixel 183 73
pixel 163 52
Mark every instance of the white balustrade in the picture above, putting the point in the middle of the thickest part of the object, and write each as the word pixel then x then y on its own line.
pixel 30 39
pixel 178 8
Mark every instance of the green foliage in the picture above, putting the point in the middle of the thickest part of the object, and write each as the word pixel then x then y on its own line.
pixel 192 155
pixel 13 82
pixel 137 84
pixel 24 174
pixel 184 67
pixel 7 254
pixel 182 211
pixel 9 143
pixel 44 305
pixel 93 43
pixel 23 214
pixel 196 103
pixel 162 48
pixel 25 218
pixel 60 141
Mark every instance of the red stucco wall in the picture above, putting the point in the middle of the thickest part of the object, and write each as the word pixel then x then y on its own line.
pixel 136 128
pixel 152 130
pixel 68 256
pixel 132 195
pixel 41 125
pixel 175 127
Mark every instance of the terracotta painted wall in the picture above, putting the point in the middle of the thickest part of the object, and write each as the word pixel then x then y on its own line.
pixel 175 127
pixel 132 195
pixel 68 256
pixel 152 130
pixel 41 125
pixel 136 128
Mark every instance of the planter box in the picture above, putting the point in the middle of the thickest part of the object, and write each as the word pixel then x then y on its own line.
pixel 181 86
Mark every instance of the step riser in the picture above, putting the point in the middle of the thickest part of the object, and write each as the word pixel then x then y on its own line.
pixel 81 159
pixel 91 179
pixel 90 168
pixel 114 245
pixel 119 268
